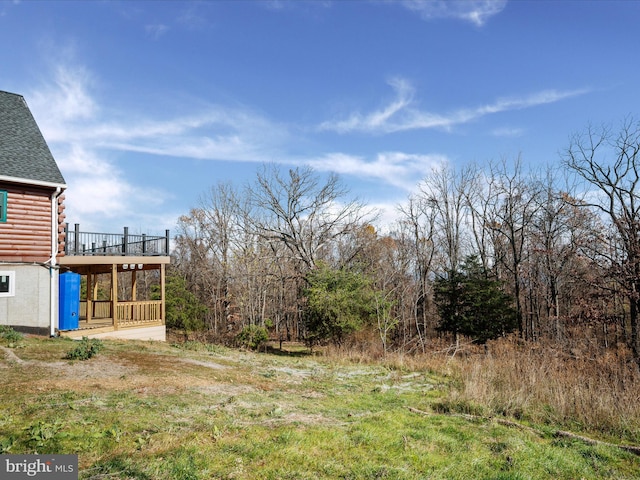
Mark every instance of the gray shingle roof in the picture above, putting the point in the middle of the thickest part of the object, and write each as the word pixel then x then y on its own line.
pixel 24 154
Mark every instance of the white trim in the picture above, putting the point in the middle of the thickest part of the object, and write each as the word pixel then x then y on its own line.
pixel 53 297
pixel 12 283
pixel 28 181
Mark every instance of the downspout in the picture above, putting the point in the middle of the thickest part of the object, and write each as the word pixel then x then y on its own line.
pixel 53 310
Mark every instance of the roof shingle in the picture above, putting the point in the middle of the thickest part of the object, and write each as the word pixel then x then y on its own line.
pixel 24 154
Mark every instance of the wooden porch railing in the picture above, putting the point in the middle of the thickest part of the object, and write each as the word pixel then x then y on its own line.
pixel 138 313
pixel 127 313
pixel 100 309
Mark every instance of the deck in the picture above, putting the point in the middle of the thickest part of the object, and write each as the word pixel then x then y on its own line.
pixel 79 243
pixel 116 256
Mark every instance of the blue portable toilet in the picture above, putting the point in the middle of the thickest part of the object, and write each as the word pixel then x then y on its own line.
pixel 69 301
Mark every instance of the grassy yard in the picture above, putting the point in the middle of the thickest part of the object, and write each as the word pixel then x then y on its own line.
pixel 158 411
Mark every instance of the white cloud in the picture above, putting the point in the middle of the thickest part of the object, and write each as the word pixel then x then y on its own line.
pixel 68 97
pixel 87 139
pixel 68 114
pixel 477 12
pixel 401 114
pixel 156 31
pixel 394 168
pixel 98 194
pixel 378 119
pixel 218 133
pixel 76 159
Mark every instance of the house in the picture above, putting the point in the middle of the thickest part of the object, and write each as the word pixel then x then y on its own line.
pixel 31 209
pixel 36 247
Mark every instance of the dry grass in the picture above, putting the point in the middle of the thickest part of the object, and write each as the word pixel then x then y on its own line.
pixel 592 391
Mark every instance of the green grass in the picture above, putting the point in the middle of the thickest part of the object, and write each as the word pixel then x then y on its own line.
pixel 158 411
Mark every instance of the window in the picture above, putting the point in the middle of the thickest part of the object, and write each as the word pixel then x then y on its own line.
pixel 7 284
pixel 3 206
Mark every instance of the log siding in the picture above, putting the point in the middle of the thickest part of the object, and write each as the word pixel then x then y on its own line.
pixel 25 236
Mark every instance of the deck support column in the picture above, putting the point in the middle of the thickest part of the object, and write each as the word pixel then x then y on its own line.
pixel 162 297
pixel 90 297
pixel 134 285
pixel 114 295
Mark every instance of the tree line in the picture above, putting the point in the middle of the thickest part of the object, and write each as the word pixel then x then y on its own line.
pixel 478 251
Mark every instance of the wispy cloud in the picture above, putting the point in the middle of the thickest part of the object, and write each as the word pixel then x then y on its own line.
pixel 215 133
pixel 402 114
pixel 67 95
pixel 99 194
pixel 156 31
pixel 287 5
pixel 398 169
pixel 88 139
pixel 194 16
pixel 477 12
pixel 70 115
pixel 395 168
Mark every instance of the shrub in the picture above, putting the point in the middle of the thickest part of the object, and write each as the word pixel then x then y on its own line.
pixel 10 335
pixel 252 336
pixel 183 309
pixel 86 349
pixel 339 302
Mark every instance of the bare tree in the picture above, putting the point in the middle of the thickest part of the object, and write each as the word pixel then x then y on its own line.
pixel 609 162
pixel 445 190
pixel 209 240
pixel 478 199
pixel 302 213
pixel 417 231
pixel 560 233
pixel 511 216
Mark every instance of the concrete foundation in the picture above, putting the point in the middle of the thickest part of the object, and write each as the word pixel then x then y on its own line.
pixel 30 304
pixel 157 333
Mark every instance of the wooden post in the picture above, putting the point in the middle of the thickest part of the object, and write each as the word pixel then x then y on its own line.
pixel 90 298
pixel 134 284
pixel 95 286
pixel 114 295
pixel 162 297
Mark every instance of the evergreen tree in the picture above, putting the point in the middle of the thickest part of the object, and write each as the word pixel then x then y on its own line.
pixel 472 304
pixel 183 309
pixel 338 303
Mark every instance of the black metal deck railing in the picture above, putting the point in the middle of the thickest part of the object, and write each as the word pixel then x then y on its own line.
pixel 87 243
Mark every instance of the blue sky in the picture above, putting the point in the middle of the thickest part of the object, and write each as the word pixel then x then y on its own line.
pixel 146 105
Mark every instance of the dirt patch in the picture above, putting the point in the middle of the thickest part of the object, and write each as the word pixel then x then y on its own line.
pixel 10 356
pixel 127 372
pixel 295 372
pixel 215 366
pixel 225 389
pixel 98 368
